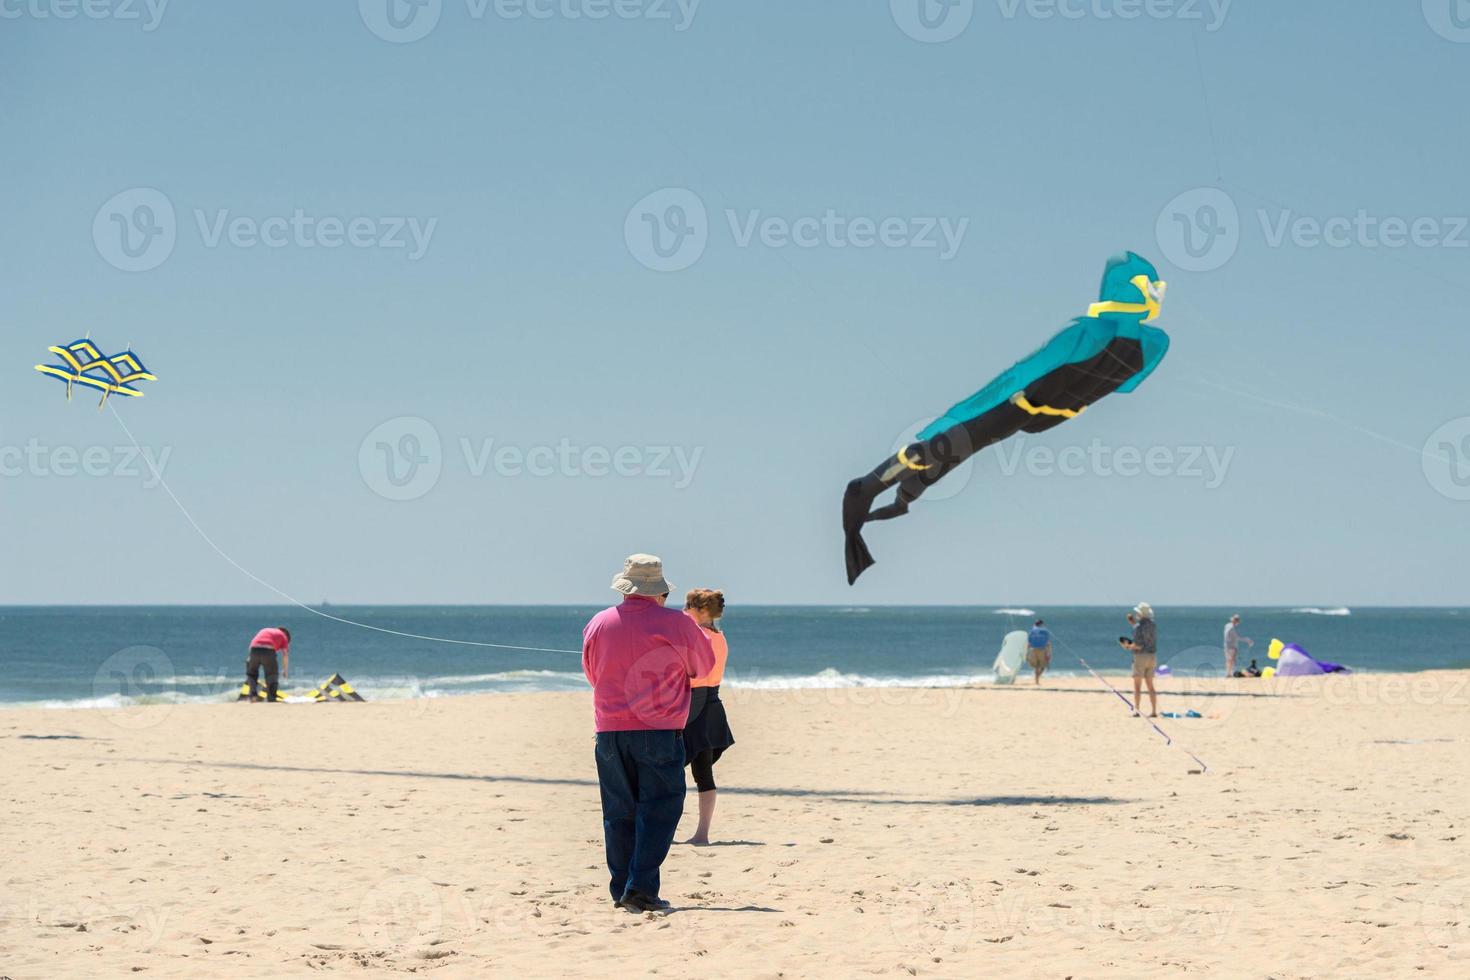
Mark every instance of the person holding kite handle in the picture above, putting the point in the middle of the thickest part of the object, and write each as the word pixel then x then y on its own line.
pixel 1144 643
pixel 1111 348
pixel 263 649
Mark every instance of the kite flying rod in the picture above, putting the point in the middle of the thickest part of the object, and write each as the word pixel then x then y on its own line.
pixel 284 595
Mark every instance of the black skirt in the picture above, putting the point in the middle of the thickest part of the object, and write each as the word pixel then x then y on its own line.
pixel 707 727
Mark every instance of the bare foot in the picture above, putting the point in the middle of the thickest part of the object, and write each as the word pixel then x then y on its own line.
pixel 698 840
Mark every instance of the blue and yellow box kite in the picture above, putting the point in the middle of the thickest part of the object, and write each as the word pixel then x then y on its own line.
pixel 84 364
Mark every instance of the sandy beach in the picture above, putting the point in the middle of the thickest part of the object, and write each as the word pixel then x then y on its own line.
pixel 892 832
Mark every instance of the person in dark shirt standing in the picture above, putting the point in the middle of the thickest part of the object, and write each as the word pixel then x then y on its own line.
pixel 1145 647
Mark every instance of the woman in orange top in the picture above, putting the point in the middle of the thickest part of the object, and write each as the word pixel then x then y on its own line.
pixel 707 733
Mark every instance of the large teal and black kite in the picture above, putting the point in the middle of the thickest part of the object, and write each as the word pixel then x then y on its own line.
pixel 1112 348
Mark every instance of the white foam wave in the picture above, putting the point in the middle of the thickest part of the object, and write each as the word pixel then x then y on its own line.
pixel 1014 612
pixel 1318 611
pixel 832 677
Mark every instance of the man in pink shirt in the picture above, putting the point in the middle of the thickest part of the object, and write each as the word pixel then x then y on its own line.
pixel 263 649
pixel 639 658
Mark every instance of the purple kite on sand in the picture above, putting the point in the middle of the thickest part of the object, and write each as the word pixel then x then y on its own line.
pixel 1293 661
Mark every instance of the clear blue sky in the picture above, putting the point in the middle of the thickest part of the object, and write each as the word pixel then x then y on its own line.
pixel 528 319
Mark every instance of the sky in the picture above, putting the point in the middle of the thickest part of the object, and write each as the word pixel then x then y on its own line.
pixel 462 301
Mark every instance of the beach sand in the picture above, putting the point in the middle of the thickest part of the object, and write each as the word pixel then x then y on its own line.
pixel 889 832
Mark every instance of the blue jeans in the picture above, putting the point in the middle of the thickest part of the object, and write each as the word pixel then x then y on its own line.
pixel 641 775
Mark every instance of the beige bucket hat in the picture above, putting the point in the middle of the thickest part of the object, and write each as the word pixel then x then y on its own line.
pixel 642 575
pixel 1145 610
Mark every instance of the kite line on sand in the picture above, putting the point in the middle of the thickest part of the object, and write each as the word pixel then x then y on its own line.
pixel 1168 739
pixel 284 595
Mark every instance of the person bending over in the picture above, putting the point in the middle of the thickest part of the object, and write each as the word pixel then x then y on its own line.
pixel 263 649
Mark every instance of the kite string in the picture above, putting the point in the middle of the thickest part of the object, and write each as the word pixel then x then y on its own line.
pixel 1168 739
pixel 158 476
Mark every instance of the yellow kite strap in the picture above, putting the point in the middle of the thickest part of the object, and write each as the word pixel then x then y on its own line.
pixel 911 463
pixel 1019 400
pixel 1149 306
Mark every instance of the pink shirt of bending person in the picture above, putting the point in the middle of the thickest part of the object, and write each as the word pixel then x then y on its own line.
pixel 271 638
pixel 639 658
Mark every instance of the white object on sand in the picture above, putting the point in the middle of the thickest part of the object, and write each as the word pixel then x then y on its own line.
pixel 1011 657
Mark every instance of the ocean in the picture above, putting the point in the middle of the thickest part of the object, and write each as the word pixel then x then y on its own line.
pixel 58 656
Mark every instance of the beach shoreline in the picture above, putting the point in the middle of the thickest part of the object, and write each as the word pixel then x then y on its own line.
pixel 893 831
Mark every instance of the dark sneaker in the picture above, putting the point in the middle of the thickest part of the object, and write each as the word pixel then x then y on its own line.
pixel 639 902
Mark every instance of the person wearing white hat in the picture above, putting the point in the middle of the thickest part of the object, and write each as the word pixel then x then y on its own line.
pixel 639 658
pixel 1145 647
